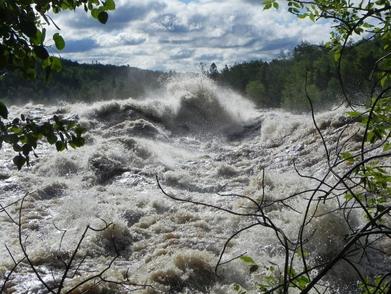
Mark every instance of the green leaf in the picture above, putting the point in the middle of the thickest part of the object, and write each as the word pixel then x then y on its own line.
pixel 3 110
pixel 239 289
pixel 77 142
pixel 79 130
pixel 55 64
pixel 16 130
pixel 26 148
pixel 52 138
pixel 37 39
pixel 348 157
pixel 291 272
pixel 248 260
pixel 59 41
pixel 103 17
pixel 17 147
pixel 11 139
pixel 109 5
pixel 348 196
pixel 353 114
pixel 337 55
pixel 19 161
pixel 254 268
pixel 302 282
pixel 95 12
pixel 371 137
pixel 60 146
pixel 41 52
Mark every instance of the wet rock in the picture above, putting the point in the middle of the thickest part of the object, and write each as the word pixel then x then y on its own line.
pixel 4 176
pixel 116 239
pixel 132 217
pixel 227 171
pixel 105 169
pixel 339 121
pixel 168 278
pixel 50 191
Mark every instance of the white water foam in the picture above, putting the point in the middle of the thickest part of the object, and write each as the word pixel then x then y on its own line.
pixel 199 138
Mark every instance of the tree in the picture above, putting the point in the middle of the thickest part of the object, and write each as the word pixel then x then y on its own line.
pixel 355 179
pixel 23 48
pixel 256 91
pixel 364 184
pixel 213 71
pixel 23 32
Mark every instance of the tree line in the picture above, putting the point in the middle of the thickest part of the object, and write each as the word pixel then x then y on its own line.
pixel 79 82
pixel 281 82
pixel 276 83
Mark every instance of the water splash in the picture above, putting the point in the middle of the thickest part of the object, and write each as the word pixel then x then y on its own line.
pixel 179 133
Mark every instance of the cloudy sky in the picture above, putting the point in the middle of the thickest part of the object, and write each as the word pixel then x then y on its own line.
pixel 180 34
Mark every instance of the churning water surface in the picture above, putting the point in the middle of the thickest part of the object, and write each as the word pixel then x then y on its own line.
pixel 203 142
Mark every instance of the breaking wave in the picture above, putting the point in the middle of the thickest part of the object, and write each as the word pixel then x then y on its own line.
pixel 187 105
pixel 200 139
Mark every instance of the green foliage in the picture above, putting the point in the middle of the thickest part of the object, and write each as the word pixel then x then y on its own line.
pixel 80 82
pixel 3 110
pixel 23 49
pixel 256 91
pixel 24 134
pixel 247 260
pixel 298 281
pixel 377 179
pixel 23 35
pixel 362 171
pixel 239 289
pixel 378 285
pixel 280 83
pixel 270 279
pixel 59 41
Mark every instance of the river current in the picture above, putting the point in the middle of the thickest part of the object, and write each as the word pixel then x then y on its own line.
pixel 203 143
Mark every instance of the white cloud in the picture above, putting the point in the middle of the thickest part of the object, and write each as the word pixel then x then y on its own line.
pixel 172 34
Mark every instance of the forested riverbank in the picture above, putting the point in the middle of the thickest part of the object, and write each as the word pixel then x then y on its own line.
pixel 282 82
pixel 80 82
pixel 276 83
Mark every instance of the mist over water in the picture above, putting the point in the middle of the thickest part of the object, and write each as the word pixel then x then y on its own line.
pixel 200 139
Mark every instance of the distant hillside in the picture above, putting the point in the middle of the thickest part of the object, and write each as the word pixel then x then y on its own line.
pixel 81 82
pixel 281 82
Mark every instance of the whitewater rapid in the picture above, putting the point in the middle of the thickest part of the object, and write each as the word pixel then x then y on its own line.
pixel 203 142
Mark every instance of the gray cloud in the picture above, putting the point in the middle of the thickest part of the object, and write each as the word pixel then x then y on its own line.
pixel 82 45
pixel 124 14
pixel 281 44
pixel 134 11
pixel 253 2
pixel 173 34
pixel 171 23
pixel 182 54
pixel 135 41
pixel 209 58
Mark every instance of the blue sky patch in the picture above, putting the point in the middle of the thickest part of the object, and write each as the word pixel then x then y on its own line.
pixel 179 34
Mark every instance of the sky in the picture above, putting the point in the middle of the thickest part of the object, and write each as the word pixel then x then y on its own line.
pixel 181 34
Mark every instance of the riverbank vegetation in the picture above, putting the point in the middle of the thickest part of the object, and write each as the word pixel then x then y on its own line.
pixel 280 82
pixel 275 83
pixel 80 82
